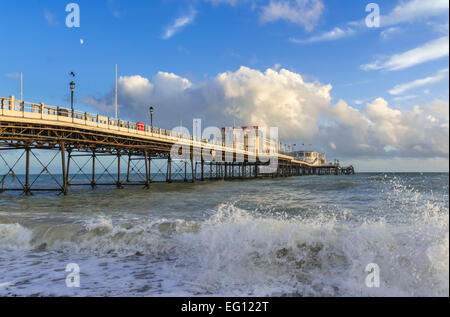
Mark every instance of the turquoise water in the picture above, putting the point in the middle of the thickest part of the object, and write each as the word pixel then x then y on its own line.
pixel 298 236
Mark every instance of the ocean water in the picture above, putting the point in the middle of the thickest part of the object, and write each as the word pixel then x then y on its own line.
pixel 298 236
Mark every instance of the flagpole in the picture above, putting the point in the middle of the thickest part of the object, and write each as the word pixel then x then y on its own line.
pixel 115 101
pixel 21 87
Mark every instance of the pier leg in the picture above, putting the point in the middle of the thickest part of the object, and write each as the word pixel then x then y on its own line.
pixel 169 166
pixel 128 170
pixel 226 170
pixel 93 170
pixel 185 171
pixel 119 184
pixel 63 167
pixel 27 172
pixel 69 158
pixel 202 163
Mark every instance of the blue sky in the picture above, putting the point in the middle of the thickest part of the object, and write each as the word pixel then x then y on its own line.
pixel 324 42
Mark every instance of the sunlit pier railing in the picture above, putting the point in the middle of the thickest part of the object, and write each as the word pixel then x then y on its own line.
pixel 12 107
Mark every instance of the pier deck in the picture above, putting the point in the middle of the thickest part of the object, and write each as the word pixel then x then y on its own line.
pixel 70 134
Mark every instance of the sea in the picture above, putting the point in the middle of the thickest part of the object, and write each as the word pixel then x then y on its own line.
pixel 369 234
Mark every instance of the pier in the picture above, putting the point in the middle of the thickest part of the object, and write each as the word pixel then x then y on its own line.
pixel 121 153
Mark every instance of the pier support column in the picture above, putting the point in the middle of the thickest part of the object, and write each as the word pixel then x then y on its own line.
pixel 93 170
pixel 27 171
pixel 185 171
pixel 202 163
pixel 118 184
pixel 169 170
pixel 63 167
pixel 128 170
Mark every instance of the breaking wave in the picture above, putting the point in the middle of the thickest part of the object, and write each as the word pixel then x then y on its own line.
pixel 239 252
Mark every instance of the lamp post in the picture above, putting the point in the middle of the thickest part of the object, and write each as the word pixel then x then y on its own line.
pixel 151 117
pixel 72 89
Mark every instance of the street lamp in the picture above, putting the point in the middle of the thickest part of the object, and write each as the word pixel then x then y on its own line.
pixel 72 88
pixel 151 117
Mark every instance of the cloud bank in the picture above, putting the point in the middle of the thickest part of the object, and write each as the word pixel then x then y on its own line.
pixel 302 110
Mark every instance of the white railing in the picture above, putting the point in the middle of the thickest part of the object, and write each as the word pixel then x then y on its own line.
pixel 16 108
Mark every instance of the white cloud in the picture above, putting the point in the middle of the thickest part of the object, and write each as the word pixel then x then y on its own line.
pixel 429 51
pixel 273 98
pixel 415 10
pixel 180 23
pixel 133 91
pixel 302 12
pixel 389 32
pixel 400 89
pixel 302 110
pixel 335 34
pixel 381 131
